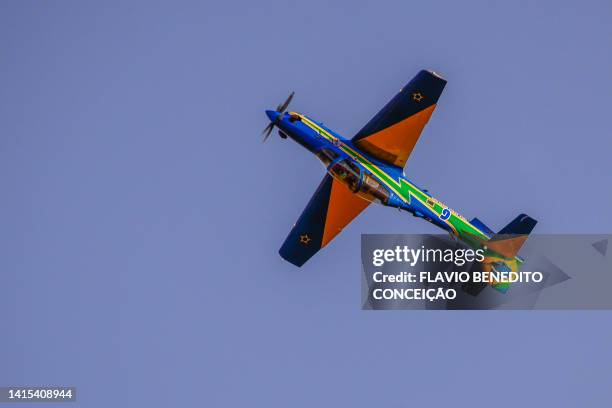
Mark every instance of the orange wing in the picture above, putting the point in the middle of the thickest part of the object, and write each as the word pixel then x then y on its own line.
pixel 392 134
pixel 332 207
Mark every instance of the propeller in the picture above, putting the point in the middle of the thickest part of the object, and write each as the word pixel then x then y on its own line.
pixel 280 109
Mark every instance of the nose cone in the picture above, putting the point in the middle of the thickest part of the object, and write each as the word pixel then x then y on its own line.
pixel 273 115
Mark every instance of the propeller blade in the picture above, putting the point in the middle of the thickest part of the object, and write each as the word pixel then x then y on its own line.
pixel 266 132
pixel 280 109
pixel 284 106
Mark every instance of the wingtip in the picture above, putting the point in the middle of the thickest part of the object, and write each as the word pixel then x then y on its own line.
pixel 291 259
pixel 436 74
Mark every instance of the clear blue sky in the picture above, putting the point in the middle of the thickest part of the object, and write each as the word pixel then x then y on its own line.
pixel 141 216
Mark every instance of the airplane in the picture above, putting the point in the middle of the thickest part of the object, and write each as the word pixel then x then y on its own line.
pixel 368 168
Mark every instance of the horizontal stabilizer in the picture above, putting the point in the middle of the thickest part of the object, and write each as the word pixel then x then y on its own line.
pixel 482 227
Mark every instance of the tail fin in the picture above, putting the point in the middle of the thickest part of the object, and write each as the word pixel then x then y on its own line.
pixel 501 250
pixel 507 243
pixel 521 225
pixel 509 240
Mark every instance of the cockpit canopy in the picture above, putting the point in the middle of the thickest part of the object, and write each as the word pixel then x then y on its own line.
pixel 355 177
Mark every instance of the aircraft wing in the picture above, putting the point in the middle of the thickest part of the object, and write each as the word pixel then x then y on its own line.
pixel 332 207
pixel 391 135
